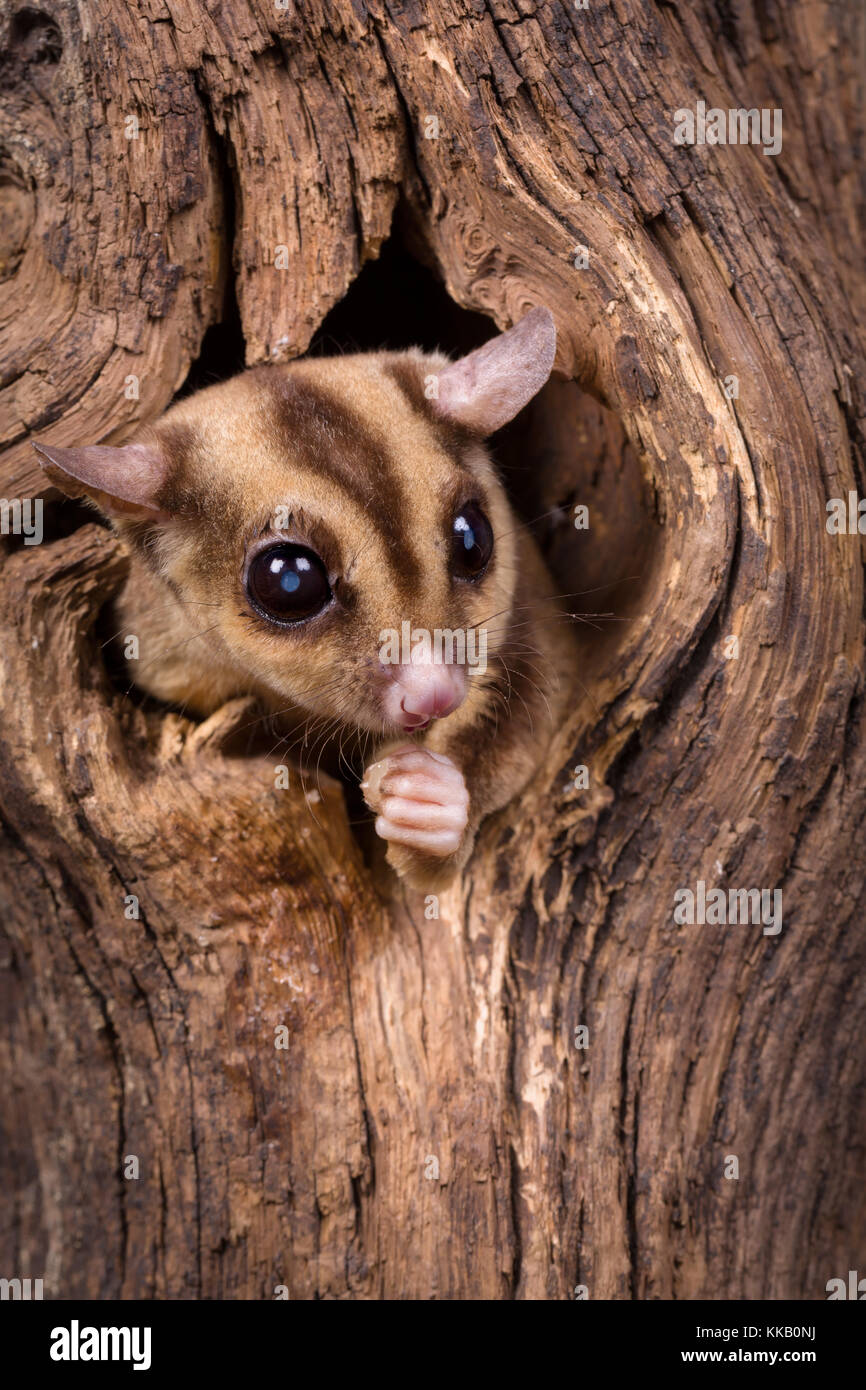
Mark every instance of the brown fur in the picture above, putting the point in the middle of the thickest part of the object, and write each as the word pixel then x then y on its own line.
pixel 372 479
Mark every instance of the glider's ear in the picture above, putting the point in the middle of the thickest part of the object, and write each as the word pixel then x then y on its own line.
pixel 486 389
pixel 124 482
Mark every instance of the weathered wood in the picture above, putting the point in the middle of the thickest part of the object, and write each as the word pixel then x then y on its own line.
pixel 413 1040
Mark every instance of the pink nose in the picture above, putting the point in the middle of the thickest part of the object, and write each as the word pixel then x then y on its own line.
pixel 432 702
pixel 419 693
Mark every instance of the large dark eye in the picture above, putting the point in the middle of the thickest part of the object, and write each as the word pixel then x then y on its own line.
pixel 471 542
pixel 288 583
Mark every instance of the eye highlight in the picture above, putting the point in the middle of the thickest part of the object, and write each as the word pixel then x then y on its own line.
pixel 288 583
pixel 471 542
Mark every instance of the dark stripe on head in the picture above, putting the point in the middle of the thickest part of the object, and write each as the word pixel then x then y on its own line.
pixel 330 439
pixel 409 376
pixel 178 442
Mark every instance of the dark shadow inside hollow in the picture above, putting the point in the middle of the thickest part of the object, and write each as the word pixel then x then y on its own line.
pixel 574 478
pixel 397 302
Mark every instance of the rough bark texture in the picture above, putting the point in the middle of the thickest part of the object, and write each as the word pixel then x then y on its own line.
pixel 413 1039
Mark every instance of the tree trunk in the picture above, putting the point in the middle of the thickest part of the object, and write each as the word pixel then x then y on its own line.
pixel 434 1129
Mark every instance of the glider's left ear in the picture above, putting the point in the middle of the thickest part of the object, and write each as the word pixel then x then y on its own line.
pixel 486 389
pixel 124 482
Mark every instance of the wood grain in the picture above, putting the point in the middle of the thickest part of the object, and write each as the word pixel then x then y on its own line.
pixel 451 1040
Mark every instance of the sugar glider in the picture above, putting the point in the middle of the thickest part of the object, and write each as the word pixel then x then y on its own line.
pixel 290 528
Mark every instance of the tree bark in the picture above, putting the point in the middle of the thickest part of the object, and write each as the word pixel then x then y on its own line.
pixel 431 1130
